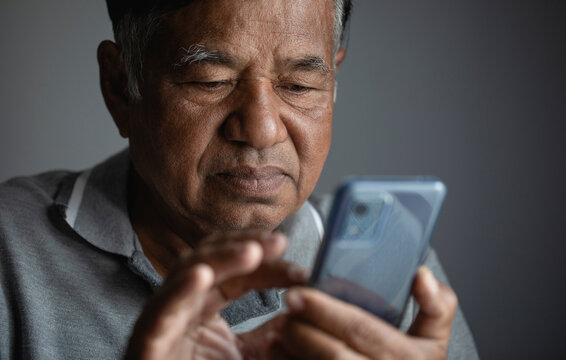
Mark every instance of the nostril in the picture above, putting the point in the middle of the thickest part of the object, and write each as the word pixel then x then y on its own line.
pixel 256 120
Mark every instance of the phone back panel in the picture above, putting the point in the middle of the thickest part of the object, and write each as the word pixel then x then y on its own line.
pixel 376 237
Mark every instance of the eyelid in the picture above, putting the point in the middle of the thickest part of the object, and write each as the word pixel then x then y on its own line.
pixel 310 80
pixel 212 82
pixel 203 73
pixel 208 82
pixel 297 87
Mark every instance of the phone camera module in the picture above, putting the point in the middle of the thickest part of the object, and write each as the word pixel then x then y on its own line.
pixel 360 209
pixel 363 220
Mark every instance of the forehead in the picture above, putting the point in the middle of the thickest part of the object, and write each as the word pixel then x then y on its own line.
pixel 251 25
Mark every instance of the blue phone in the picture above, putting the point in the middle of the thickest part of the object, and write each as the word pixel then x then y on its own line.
pixel 376 237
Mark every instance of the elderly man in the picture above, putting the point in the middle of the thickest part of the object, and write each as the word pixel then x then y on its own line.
pixel 171 248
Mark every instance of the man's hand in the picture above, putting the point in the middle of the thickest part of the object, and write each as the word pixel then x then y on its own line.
pixel 321 327
pixel 182 320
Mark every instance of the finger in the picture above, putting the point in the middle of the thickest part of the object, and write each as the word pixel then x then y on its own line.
pixel 226 260
pixel 278 274
pixel 235 265
pixel 361 330
pixel 221 327
pixel 438 305
pixel 230 256
pixel 256 344
pixel 276 351
pixel 181 299
pixel 273 244
pixel 211 343
pixel 304 341
pixel 168 314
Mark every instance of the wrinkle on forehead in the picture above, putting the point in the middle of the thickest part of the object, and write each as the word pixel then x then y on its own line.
pixel 282 20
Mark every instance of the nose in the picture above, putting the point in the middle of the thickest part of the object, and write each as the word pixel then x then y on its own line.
pixel 256 120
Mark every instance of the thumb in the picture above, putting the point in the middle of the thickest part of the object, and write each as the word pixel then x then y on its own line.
pixel 438 305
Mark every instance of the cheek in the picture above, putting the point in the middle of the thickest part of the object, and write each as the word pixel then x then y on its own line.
pixel 312 138
pixel 317 148
pixel 168 142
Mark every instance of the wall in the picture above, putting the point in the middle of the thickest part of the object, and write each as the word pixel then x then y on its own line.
pixel 52 112
pixel 471 91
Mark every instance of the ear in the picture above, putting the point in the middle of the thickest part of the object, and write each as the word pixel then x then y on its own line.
pixel 339 57
pixel 114 84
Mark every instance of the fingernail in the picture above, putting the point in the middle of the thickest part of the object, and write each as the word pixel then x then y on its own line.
pixel 246 247
pixel 294 301
pixel 297 273
pixel 204 275
pixel 429 279
pixel 277 236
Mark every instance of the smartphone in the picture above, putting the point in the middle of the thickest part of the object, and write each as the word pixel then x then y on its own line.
pixel 376 237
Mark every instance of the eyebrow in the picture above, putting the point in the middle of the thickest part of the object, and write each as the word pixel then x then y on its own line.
pixel 310 63
pixel 198 53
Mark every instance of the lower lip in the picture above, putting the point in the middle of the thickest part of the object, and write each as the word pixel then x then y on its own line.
pixel 260 188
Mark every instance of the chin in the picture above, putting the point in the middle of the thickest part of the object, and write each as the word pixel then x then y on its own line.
pixel 254 216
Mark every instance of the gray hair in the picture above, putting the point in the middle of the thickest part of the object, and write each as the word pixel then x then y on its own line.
pixel 134 31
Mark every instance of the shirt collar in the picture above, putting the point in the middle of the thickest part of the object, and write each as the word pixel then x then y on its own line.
pixel 94 204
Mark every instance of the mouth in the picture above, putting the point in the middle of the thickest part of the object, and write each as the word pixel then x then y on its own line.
pixel 253 182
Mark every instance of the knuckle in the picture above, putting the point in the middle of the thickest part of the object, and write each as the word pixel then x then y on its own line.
pixel 247 253
pixel 310 300
pixel 425 350
pixel 340 352
pixel 437 350
pixel 210 239
pixel 442 350
pixel 450 299
pixel 362 334
pixel 391 356
pixel 357 334
pixel 417 353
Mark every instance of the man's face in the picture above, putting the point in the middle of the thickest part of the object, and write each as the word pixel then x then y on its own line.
pixel 235 135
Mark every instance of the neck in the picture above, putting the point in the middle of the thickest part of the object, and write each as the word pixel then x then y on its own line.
pixel 155 230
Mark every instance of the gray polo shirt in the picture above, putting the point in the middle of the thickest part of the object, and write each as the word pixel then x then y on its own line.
pixel 74 277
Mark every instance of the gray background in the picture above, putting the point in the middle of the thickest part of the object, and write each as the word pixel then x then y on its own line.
pixel 472 91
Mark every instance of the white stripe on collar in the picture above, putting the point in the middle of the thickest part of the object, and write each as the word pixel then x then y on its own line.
pixel 317 220
pixel 76 197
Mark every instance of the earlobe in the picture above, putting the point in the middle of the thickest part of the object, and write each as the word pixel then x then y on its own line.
pixel 340 56
pixel 113 84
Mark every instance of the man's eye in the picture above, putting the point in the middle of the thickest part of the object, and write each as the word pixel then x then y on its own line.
pixel 211 84
pixel 297 89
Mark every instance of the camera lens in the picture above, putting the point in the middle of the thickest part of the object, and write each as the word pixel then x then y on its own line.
pixel 360 209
